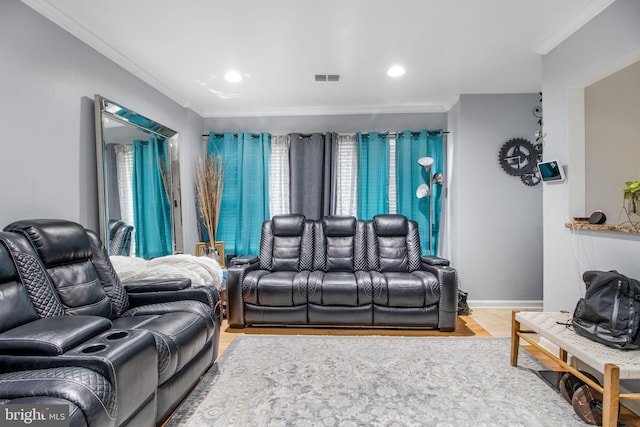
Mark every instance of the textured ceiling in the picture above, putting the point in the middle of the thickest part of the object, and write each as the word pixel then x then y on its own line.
pixel 448 47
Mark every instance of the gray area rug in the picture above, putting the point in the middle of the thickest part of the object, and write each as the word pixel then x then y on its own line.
pixel 269 380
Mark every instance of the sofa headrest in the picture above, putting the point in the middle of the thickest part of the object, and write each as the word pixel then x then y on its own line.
pixel 390 225
pixel 287 225
pixel 56 241
pixel 339 226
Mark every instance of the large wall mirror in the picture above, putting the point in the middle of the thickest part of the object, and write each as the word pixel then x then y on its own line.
pixel 138 183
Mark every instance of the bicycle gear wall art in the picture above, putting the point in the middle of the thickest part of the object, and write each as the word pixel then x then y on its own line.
pixel 519 156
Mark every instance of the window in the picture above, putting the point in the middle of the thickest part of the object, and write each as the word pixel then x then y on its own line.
pixel 124 171
pixel 393 189
pixel 347 176
pixel 279 177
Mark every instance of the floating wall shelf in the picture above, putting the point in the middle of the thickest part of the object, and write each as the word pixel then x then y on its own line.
pixel 602 227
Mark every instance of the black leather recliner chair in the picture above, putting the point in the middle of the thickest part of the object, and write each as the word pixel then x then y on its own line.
pixel 63 306
pixel 107 376
pixel 340 271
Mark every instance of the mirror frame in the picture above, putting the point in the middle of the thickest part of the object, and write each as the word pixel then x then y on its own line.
pixel 105 108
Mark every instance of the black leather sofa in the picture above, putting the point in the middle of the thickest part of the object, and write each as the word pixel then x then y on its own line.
pixel 71 333
pixel 340 271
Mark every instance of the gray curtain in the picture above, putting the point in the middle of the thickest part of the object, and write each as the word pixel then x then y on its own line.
pixel 311 163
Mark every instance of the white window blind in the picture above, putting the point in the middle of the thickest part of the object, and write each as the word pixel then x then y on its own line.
pixel 347 176
pixel 279 178
pixel 393 193
pixel 124 170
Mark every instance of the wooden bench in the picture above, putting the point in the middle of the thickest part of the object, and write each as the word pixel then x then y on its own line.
pixel 614 364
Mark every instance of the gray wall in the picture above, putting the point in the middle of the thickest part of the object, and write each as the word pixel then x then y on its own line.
pixel 47 80
pixel 496 221
pixel 607 43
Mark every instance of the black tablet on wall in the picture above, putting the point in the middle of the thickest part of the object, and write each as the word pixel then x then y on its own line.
pixel 551 171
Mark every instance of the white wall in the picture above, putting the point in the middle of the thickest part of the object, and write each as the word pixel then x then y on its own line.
pixel 607 43
pixel 48 79
pixel 496 221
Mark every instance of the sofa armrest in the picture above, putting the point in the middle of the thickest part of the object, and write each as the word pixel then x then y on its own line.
pixel 51 336
pixel 448 305
pixel 434 260
pixel 244 260
pixel 235 306
pixel 157 285
pixel 128 359
pixel 89 398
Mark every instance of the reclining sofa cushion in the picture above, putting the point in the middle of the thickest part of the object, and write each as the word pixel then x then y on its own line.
pixel 65 251
pixel 31 276
pixel 340 244
pixel 282 278
pixel 396 262
pixel 395 244
pixel 338 280
pixel 15 306
pixel 179 338
pixel 286 244
pixel 280 282
pixel 416 289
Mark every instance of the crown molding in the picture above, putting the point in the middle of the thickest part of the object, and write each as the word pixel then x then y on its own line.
pixel 48 10
pixel 335 111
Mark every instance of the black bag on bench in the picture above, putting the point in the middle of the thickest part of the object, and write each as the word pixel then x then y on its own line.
pixel 610 310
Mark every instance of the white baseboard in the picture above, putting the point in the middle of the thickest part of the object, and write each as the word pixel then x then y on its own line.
pixel 502 304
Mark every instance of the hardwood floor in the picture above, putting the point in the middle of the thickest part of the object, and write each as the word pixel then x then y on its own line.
pixel 481 322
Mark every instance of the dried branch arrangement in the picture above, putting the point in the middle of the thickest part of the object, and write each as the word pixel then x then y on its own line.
pixel 209 182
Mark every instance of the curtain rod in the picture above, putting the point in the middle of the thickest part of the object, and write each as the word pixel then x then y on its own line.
pixel 234 135
pixel 389 133
pixel 418 132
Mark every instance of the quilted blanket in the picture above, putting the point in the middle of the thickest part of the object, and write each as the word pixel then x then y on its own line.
pixel 201 270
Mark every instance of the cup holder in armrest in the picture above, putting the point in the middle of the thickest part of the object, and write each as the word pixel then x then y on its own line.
pixel 94 348
pixel 117 335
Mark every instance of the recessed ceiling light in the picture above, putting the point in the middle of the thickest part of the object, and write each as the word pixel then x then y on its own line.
pixel 233 76
pixel 395 71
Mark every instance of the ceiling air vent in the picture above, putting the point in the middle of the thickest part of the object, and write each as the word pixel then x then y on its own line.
pixel 327 77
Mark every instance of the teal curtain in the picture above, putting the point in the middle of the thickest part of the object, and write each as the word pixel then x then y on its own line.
pixel 410 146
pixel 373 174
pixel 151 203
pixel 245 195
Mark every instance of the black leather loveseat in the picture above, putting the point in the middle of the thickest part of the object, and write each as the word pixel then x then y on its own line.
pixel 340 271
pixel 71 333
